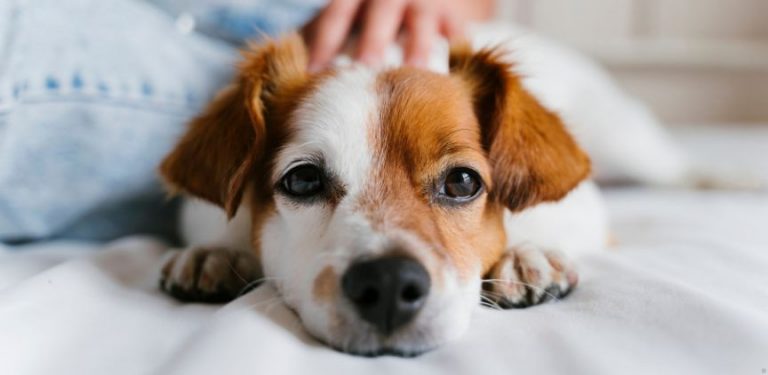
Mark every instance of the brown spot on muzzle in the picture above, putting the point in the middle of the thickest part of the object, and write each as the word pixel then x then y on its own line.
pixel 326 285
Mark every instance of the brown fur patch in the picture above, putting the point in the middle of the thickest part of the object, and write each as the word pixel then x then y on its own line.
pixel 231 141
pixel 260 212
pixel 325 287
pixel 533 157
pixel 426 126
pixel 231 144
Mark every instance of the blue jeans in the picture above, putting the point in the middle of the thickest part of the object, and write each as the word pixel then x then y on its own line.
pixel 93 93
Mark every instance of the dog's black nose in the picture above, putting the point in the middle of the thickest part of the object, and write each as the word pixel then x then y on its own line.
pixel 387 292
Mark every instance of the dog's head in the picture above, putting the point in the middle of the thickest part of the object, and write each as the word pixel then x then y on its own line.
pixel 377 196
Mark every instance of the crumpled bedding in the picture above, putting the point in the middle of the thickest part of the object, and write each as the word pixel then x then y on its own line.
pixel 684 291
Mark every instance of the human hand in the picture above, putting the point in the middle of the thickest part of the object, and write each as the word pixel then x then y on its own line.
pixel 379 22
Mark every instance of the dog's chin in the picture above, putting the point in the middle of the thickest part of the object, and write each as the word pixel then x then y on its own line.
pixel 412 341
pixel 407 349
pixel 383 352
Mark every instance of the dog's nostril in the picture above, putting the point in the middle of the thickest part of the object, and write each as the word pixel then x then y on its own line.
pixel 387 292
pixel 411 293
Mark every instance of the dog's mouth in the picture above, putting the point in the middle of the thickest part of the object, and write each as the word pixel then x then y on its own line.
pixel 418 338
pixel 381 352
pixel 380 346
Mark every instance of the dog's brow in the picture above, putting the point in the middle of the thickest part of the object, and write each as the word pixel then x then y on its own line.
pixel 448 146
pixel 314 159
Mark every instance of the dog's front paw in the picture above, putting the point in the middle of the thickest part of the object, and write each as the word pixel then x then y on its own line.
pixel 207 274
pixel 527 276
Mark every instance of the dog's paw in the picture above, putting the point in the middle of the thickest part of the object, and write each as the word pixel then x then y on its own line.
pixel 527 276
pixel 208 274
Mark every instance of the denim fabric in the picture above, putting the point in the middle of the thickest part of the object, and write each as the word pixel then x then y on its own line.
pixel 238 20
pixel 92 94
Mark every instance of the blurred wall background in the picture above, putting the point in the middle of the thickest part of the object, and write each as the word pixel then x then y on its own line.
pixel 692 61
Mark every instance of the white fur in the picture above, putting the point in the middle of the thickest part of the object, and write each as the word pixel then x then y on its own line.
pixel 204 224
pixel 575 225
pixel 300 241
pixel 334 125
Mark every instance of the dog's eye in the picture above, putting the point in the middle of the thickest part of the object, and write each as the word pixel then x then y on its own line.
pixel 461 184
pixel 303 181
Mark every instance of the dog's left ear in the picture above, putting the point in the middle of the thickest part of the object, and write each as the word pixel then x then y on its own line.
pixel 532 156
pixel 228 143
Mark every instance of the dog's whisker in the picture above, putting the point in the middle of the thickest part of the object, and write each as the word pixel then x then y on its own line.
pixel 537 288
pixel 232 267
pixel 263 302
pixel 252 306
pixel 542 290
pixel 485 300
pixel 516 282
pixel 492 304
pixel 254 283
pixel 272 305
pixel 495 281
pixel 489 302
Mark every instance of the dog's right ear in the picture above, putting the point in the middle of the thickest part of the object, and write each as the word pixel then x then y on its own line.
pixel 533 156
pixel 225 145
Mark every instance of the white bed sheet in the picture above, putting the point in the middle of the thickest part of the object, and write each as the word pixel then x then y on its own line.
pixel 685 292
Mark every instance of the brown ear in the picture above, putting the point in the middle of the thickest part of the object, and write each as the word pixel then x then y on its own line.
pixel 533 157
pixel 226 144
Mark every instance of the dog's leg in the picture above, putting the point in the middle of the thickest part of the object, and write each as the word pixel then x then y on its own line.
pixel 209 274
pixel 528 275
pixel 218 265
pixel 534 269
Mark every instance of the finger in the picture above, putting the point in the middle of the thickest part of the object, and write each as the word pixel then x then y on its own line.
pixel 380 26
pixel 330 30
pixel 451 27
pixel 422 28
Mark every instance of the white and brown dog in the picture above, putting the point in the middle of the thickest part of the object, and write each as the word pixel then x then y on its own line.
pixel 381 203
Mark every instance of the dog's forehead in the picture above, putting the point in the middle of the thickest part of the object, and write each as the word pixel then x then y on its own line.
pixel 332 123
pixel 426 116
pixel 356 117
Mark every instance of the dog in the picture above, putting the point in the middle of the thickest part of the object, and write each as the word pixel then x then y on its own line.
pixel 385 204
